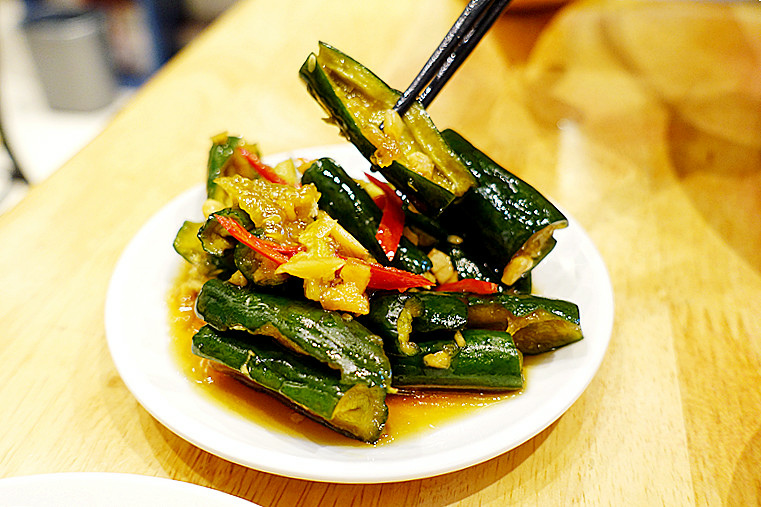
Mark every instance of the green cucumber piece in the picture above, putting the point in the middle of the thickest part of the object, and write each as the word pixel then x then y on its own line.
pixel 219 244
pixel 515 221
pixel 215 239
pixel 537 324
pixel 439 312
pixel 346 201
pixel 386 310
pixel 403 319
pixel 223 162
pixel 330 337
pixel 187 244
pixel 311 387
pixel 429 230
pixel 357 101
pixel 466 264
pixel 219 154
pixel 488 360
pixel 248 262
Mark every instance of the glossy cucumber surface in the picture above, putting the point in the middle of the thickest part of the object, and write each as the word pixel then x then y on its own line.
pixel 188 245
pixel 400 319
pixel 515 221
pixel 307 385
pixel 220 152
pixel 330 337
pixel 485 360
pixel 214 238
pixel 358 102
pixel 537 324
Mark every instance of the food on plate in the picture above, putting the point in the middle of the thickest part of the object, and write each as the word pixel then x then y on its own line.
pixel 331 292
pixel 536 324
pixel 516 221
pixel 329 365
pixel 343 197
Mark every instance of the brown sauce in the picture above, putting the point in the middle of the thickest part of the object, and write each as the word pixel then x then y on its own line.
pixel 410 414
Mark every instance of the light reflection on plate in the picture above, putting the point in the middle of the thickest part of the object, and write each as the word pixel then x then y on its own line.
pixel 138 336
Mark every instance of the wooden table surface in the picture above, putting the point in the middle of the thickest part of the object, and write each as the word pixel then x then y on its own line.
pixel 642 119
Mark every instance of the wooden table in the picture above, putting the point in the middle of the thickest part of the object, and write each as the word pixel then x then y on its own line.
pixel 643 120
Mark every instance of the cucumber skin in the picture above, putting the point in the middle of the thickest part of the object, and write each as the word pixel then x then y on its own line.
pixel 509 209
pixel 189 247
pixel 563 328
pixel 488 361
pixel 427 196
pixel 523 304
pixel 450 311
pixel 327 336
pixel 219 153
pixel 439 313
pixel 299 381
pixel 346 201
pixel 305 382
pixel 467 267
pixel 211 227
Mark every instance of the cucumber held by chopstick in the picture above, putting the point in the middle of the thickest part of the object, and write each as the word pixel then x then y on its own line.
pixel 500 217
pixel 409 151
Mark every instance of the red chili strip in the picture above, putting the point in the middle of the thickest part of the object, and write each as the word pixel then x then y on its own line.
pixel 269 249
pixel 381 277
pixel 265 171
pixel 392 221
pixel 388 278
pixel 380 201
pixel 469 285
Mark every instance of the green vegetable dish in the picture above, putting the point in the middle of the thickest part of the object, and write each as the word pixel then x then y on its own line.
pixel 330 293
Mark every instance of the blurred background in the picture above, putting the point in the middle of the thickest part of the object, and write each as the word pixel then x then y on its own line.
pixel 66 67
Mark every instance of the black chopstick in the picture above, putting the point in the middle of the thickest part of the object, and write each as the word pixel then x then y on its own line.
pixel 475 20
pixel 461 52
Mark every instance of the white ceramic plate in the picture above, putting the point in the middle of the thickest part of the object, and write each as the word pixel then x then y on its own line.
pixel 139 340
pixel 93 489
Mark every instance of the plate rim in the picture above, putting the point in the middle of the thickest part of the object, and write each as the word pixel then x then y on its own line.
pixel 86 485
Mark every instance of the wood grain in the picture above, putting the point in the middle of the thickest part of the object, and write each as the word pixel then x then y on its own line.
pixel 642 119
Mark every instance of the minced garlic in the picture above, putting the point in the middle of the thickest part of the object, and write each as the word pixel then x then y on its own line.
pixel 440 359
pixel 442 266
